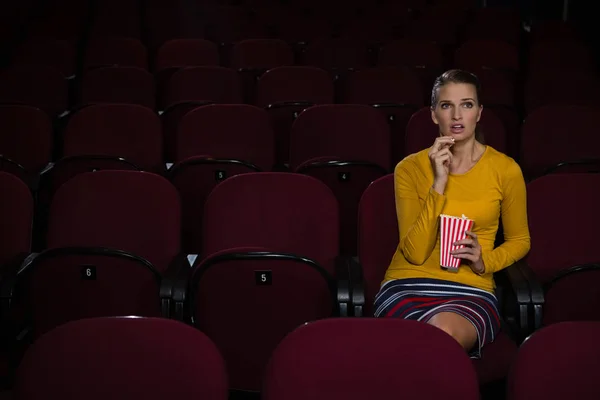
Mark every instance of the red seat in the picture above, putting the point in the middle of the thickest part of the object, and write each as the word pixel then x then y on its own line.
pixel 272 239
pixel 125 352
pixel 569 370
pixel 129 85
pixel 395 365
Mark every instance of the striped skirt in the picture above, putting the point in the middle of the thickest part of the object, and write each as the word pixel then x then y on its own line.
pixel 421 298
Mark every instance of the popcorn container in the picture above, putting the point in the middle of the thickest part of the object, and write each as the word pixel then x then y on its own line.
pixel 452 229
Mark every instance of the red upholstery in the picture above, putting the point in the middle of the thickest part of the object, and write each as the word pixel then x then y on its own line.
pixel 328 359
pixel 119 358
pixel 557 362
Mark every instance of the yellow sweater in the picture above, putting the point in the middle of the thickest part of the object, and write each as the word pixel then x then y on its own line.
pixel 493 188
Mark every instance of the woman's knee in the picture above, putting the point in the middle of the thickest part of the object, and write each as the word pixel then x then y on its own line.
pixel 457 326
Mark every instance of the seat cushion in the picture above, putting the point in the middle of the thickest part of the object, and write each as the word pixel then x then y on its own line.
pixel 495 359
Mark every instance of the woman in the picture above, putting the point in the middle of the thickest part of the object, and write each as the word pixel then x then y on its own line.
pixel 457 175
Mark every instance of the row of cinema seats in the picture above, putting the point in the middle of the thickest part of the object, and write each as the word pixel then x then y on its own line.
pixel 345 146
pixel 119 358
pixel 270 260
pixel 397 91
pixel 252 57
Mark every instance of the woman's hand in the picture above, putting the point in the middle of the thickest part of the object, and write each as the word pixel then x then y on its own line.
pixel 471 252
pixel 440 158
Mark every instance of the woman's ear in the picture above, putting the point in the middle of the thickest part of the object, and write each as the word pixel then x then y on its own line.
pixel 434 118
pixel 479 113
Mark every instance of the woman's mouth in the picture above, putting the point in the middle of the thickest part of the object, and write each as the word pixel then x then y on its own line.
pixel 457 128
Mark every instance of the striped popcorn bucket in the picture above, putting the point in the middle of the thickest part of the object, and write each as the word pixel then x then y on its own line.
pixel 452 229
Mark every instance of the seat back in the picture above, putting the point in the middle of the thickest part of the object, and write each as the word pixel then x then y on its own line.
pixel 397 362
pixel 377 235
pixel 559 204
pixel 350 132
pixel 129 131
pixel 34 85
pixel 546 127
pixel 137 212
pixel 115 51
pixel 122 353
pixel 557 362
pixel 227 131
pixel 16 214
pixel 129 85
pixel 203 84
pixel 288 213
pixel 272 295
pixel 25 136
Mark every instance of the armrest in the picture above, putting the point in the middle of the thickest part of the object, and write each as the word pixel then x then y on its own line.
pixel 358 287
pixel 174 286
pixel 536 291
pixel 515 299
pixel 342 278
pixel 353 278
pixel 8 284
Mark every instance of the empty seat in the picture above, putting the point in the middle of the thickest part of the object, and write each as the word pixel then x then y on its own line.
pixel 487 54
pixel 213 143
pixel 272 240
pixel 203 85
pixel 557 362
pixel 38 86
pixel 252 57
pixel 106 136
pixel 495 23
pixel 56 53
pixel 179 53
pixel 25 140
pixel 389 359
pixel 338 55
pixel 124 354
pixel 112 237
pixel 261 54
pixel 117 18
pixel 568 136
pixel 186 53
pixel 287 91
pixel 128 131
pixel 229 24
pixel 395 91
pixel 421 131
pixel 377 242
pixel 549 87
pixel 115 51
pixel 128 85
pixel 560 54
pixel 568 269
pixel 16 213
pixel 424 57
pixel 347 147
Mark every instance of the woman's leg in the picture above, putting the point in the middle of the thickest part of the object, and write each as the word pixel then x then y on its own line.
pixel 456 326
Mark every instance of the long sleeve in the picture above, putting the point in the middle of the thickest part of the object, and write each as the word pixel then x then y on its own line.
pixel 417 222
pixel 514 222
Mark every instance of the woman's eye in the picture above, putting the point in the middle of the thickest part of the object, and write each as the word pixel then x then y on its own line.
pixel 445 105
pixel 468 105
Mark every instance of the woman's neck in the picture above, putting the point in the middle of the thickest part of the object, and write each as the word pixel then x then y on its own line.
pixel 465 154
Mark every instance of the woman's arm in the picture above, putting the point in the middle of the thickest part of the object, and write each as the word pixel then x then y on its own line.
pixel 417 224
pixel 514 222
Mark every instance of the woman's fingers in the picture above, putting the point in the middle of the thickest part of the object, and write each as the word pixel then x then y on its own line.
pixel 466 242
pixel 441 142
pixel 472 234
pixel 467 256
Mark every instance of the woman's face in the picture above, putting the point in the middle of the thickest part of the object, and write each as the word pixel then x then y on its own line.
pixel 457 111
